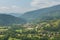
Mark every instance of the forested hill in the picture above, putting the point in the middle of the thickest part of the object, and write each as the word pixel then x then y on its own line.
pixel 45 13
pixel 9 19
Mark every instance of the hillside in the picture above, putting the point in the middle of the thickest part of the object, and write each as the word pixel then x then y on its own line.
pixel 43 14
pixel 9 19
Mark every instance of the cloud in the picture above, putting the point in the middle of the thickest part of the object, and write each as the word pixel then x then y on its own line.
pixel 12 9
pixel 44 3
pixel 16 7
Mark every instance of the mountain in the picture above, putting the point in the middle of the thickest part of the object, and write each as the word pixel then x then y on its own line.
pixel 9 19
pixel 43 14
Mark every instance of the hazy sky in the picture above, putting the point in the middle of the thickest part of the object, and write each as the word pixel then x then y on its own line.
pixel 20 6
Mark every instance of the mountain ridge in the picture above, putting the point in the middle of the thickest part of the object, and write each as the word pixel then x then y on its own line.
pixel 32 15
pixel 6 19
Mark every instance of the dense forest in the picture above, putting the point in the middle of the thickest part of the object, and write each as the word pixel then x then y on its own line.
pixel 42 24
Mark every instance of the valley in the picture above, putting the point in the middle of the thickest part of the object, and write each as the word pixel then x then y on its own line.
pixel 41 24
